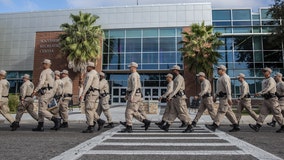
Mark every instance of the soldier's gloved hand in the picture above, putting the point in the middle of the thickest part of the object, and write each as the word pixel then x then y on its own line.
pixel 214 99
pixel 33 94
pixel 230 102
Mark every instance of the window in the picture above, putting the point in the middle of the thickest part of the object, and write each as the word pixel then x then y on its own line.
pixel 242 30
pixel 150 32
pixel 133 45
pixel 133 33
pixel 168 32
pixel 243 43
pixel 150 44
pixel 168 57
pixel 221 15
pixel 117 33
pixel 264 14
pixel 167 44
pixel 241 14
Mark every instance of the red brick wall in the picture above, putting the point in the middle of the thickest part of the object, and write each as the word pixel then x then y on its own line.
pixel 47 46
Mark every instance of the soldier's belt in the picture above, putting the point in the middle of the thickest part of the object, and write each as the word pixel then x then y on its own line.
pixel 247 96
pixel 221 94
pixel 268 95
pixel 67 95
pixel 5 96
pixel 206 95
pixel 137 91
pixel 28 96
pixel 179 94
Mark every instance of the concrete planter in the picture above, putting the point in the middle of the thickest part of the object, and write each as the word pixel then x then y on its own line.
pixel 151 106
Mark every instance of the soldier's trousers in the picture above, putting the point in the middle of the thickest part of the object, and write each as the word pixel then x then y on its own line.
pixel 281 102
pixel 132 111
pixel 206 103
pixel 141 110
pixel 167 111
pixel 179 110
pixel 44 100
pixel 245 104
pixel 104 107
pixel 28 105
pixel 225 110
pixel 64 108
pixel 91 106
pixel 270 106
pixel 4 109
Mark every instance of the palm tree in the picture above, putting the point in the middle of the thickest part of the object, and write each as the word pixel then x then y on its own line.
pixel 199 48
pixel 81 41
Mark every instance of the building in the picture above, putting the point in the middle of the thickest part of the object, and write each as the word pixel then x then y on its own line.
pixel 148 35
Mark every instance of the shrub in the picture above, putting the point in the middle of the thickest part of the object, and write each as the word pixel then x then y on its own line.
pixel 13 102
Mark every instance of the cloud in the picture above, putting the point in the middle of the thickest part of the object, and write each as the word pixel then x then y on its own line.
pixel 6 2
pixel 254 4
pixel 30 6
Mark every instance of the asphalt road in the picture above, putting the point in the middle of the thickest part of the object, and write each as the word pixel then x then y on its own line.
pixel 25 144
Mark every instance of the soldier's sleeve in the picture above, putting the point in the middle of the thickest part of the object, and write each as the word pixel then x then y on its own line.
pixel 41 81
pixel 227 84
pixel 1 89
pixel 88 83
pixel 24 91
pixel 176 88
pixel 204 89
pixel 268 87
pixel 169 90
pixel 134 85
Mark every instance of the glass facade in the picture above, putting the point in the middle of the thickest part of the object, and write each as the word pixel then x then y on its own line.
pixel 247 48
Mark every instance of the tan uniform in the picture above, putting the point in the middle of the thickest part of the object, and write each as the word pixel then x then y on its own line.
pixel 58 87
pixel 4 93
pixel 245 102
pixel 178 99
pixel 224 85
pixel 206 101
pixel 280 93
pixel 65 100
pixel 134 99
pixel 92 97
pixel 26 91
pixel 170 87
pixel 46 83
pixel 104 100
pixel 270 105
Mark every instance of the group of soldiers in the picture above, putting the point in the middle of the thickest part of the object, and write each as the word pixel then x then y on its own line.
pixel 57 86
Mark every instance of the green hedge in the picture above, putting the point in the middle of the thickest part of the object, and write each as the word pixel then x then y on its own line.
pixel 13 102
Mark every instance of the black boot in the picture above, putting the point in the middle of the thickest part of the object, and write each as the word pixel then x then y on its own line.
pixel 272 123
pixel 165 127
pixel 280 130
pixel 188 129
pixel 122 123
pixel 255 127
pixel 56 122
pixel 39 127
pixel 212 127
pixel 146 123
pixel 100 124
pixel 90 129
pixel 110 125
pixel 160 123
pixel 236 128
pixel 182 124
pixel 64 125
pixel 127 129
pixel 14 126
pixel 193 123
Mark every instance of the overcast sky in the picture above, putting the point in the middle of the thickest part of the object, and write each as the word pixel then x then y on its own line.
pixel 38 5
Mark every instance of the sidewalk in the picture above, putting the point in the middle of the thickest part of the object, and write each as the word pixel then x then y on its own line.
pixel 117 113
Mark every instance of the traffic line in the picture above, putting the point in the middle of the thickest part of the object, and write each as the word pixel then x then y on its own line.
pixel 147 152
pixel 159 133
pixel 159 138
pixel 163 144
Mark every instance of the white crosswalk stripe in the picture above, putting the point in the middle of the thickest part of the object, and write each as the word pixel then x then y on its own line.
pixel 157 142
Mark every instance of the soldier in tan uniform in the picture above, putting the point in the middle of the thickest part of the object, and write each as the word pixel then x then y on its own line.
pixel 178 98
pixel 66 98
pixel 225 99
pixel 170 86
pixel 244 99
pixel 91 94
pixel 270 102
pixel 104 100
pixel 133 97
pixel 4 93
pixel 206 99
pixel 280 94
pixel 26 102
pixel 45 93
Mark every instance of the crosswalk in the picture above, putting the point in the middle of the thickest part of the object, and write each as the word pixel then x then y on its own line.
pixel 156 144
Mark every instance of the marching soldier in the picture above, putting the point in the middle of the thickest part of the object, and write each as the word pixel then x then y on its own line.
pixel 91 94
pixel 280 94
pixel 179 107
pixel 4 93
pixel 134 99
pixel 270 102
pixel 26 102
pixel 206 99
pixel 65 100
pixel 244 99
pixel 104 100
pixel 169 78
pixel 225 99
pixel 45 93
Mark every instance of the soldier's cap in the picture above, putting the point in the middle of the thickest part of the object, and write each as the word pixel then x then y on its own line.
pixel 3 72
pixel 102 74
pixel 241 75
pixel 222 67
pixel 267 69
pixel 201 74
pixel 176 67
pixel 46 61
pixel 133 64
pixel 278 74
pixel 26 76
pixel 169 75
pixel 91 64
pixel 64 72
pixel 57 72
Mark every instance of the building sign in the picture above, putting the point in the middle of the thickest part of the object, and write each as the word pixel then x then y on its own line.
pixel 48 45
